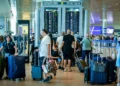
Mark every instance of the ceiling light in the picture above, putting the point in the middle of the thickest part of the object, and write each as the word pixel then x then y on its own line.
pixel 116 3
pixel 109 6
pixel 97 10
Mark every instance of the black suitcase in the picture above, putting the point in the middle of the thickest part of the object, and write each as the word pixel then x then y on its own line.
pixel 111 68
pixel 16 67
pixel 86 74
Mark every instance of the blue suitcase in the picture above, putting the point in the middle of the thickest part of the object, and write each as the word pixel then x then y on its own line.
pixel 36 68
pixel 98 76
pixel 16 68
pixel 36 73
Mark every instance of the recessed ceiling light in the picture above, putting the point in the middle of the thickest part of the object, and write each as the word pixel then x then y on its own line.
pixel 116 3
pixel 109 6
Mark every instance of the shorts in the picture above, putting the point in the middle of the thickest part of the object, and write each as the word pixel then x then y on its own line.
pixel 67 56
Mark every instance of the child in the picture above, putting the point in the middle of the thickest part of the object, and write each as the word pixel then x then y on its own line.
pixel 118 61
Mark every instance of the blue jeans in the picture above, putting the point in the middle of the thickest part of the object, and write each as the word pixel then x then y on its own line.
pixel 41 63
pixel 86 53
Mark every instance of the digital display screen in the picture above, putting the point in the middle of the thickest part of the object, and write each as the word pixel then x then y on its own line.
pixel 108 30
pixel 96 30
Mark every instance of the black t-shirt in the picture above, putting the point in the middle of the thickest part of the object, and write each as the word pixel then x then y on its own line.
pixel 9 47
pixel 68 39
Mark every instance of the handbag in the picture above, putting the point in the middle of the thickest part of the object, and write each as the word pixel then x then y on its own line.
pixel 49 65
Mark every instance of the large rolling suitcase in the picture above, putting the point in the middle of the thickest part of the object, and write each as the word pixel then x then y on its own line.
pixel 36 68
pixel 1 67
pixel 16 67
pixel 80 63
pixel 111 68
pixel 98 74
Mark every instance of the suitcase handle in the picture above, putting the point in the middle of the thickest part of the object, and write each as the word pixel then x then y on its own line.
pixel 76 57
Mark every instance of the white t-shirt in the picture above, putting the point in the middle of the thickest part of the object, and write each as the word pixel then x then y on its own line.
pixel 44 46
pixel 59 41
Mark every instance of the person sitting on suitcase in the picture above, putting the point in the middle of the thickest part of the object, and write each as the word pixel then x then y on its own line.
pixel 9 49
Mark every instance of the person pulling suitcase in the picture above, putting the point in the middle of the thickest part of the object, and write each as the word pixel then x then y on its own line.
pixel 9 49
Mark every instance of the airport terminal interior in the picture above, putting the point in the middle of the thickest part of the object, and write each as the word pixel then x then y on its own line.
pixel 85 33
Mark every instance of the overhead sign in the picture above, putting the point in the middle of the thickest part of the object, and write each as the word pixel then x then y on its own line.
pixel 61 3
pixel 71 3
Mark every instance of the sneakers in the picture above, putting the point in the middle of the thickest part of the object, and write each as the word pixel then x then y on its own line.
pixel 50 77
pixel 47 79
pixel 65 70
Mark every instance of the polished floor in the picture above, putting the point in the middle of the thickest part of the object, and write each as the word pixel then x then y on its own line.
pixel 74 78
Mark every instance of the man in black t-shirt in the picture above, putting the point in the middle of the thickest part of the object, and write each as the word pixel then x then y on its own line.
pixel 68 41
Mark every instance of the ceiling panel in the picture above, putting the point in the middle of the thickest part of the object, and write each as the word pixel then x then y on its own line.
pixel 112 10
pixel 24 8
pixel 27 7
pixel 5 9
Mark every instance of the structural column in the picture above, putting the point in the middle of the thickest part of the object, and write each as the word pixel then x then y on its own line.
pixel 7 26
pixel 86 5
pixel 104 20
pixel 37 24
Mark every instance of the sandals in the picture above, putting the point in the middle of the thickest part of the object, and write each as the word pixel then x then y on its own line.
pixel 69 70
pixel 65 70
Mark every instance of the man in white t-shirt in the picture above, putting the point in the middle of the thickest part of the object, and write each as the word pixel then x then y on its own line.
pixel 44 51
pixel 59 44
pixel 59 40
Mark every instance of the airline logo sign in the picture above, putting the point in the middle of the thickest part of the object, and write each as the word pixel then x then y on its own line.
pixel 61 3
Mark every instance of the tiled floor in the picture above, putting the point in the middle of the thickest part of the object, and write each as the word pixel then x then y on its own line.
pixel 75 78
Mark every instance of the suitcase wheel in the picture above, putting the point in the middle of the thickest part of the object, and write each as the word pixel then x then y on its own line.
pixel 34 79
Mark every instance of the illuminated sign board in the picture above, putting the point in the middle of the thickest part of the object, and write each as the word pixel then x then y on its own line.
pixel 61 3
